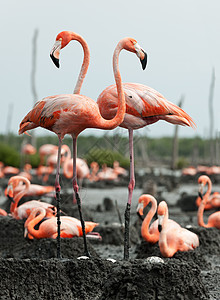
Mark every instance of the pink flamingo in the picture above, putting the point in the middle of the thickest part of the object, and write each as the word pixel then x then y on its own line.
pixel 23 211
pixel 107 174
pixel 151 234
pixel 71 114
pixel 70 226
pixel 3 212
pixel 46 150
pixel 213 219
pixel 173 239
pixel 118 170
pixel 9 170
pixel 144 106
pixel 212 200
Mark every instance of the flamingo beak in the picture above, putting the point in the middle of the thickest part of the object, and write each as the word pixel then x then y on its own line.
pixel 139 210
pixel 10 193
pixel 55 53
pixel 142 55
pixel 200 195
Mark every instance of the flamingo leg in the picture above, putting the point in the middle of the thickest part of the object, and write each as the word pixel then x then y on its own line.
pixel 58 188
pixel 130 193
pixel 76 191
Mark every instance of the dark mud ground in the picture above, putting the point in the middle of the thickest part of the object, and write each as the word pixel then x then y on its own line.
pixel 29 268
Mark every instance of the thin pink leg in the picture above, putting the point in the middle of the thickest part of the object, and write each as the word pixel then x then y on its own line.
pixel 131 186
pixel 76 189
pixel 58 188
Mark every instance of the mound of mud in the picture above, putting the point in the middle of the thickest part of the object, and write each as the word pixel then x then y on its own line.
pixel 99 279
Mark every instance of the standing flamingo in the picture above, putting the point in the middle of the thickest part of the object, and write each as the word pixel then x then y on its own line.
pixel 144 106
pixel 212 200
pixel 213 219
pixel 71 114
pixel 70 226
pixel 151 234
pixel 23 211
pixel 173 239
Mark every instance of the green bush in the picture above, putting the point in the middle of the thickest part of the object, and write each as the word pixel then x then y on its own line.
pixel 106 156
pixel 9 156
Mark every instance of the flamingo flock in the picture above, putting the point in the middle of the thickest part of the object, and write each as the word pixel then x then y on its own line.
pixel 129 105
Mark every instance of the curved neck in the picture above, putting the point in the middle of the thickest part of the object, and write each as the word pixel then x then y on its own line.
pixel 119 117
pixel 18 197
pixel 85 64
pixel 165 249
pixel 200 213
pixel 34 220
pixel 209 188
pixel 145 225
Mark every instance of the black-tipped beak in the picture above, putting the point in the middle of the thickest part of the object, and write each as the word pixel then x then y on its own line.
pixel 200 195
pixel 159 227
pixel 10 198
pixel 140 216
pixel 144 60
pixel 55 60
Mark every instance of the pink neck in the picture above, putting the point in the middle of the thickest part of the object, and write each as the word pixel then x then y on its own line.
pixel 119 117
pixel 145 225
pixel 85 64
pixel 20 195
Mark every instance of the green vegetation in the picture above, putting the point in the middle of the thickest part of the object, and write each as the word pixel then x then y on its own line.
pixel 110 147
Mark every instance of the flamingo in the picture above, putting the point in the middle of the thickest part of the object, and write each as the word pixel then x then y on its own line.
pixel 71 114
pixel 151 234
pixel 212 201
pixel 3 212
pixel 94 166
pixel 23 211
pixel 107 174
pixel 144 106
pixel 70 226
pixel 173 239
pixel 46 150
pixel 119 170
pixel 9 170
pixel 213 219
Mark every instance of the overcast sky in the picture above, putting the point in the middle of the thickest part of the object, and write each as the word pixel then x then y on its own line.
pixel 180 37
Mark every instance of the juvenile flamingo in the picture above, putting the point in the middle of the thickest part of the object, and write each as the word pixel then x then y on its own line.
pixel 212 200
pixel 70 226
pixel 151 234
pixel 213 219
pixel 71 114
pixel 144 106
pixel 173 239
pixel 23 211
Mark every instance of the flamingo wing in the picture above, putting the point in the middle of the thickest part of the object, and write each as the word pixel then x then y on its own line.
pixel 144 106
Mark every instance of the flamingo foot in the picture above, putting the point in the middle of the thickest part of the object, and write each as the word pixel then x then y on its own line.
pixel 126 234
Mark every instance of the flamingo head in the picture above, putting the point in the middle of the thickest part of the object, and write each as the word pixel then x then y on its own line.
pixel 161 211
pixel 9 192
pixel 62 39
pixel 202 181
pixel 143 201
pixel 131 45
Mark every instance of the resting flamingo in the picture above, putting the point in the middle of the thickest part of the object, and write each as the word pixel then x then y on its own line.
pixel 213 219
pixel 47 150
pixel 212 200
pixel 3 212
pixel 70 226
pixel 107 174
pixel 144 106
pixel 151 234
pixel 23 211
pixel 173 239
pixel 71 114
